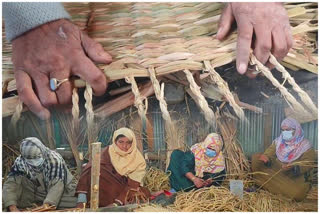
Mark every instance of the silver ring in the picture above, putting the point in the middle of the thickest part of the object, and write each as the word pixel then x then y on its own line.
pixel 55 83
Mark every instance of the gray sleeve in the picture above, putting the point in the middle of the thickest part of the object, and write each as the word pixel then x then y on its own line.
pixel 56 189
pixel 11 191
pixel 21 17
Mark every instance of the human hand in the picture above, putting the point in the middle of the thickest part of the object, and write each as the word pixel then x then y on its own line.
pixel 80 205
pixel 58 50
pixel 198 182
pixel 286 166
pixel 13 208
pixel 267 23
pixel 208 182
pixel 264 158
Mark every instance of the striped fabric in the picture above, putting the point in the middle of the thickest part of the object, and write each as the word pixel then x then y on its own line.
pixel 53 167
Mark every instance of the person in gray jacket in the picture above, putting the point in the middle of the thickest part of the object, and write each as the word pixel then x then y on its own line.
pixel 38 176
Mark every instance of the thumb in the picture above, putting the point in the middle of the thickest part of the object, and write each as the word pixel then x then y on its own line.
pixel 225 22
pixel 95 50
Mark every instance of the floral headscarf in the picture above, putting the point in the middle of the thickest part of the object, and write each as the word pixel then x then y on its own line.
pixel 202 161
pixel 288 151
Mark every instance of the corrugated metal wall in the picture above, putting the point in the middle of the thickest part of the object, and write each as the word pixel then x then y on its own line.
pixel 250 136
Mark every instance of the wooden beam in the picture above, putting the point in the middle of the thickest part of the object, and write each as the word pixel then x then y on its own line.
pixel 246 105
pixel 9 104
pixel 120 90
pixel 95 175
pixel 122 102
pixel 150 137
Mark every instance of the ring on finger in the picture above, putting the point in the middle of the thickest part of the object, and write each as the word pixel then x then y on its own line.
pixel 55 83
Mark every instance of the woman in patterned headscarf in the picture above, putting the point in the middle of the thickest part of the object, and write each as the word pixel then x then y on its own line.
pixel 38 175
pixel 122 169
pixel 288 161
pixel 203 166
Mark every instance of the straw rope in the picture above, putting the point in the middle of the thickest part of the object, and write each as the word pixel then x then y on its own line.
pixel 159 92
pixel 17 114
pixel 89 117
pixel 224 88
pixel 200 99
pixel 75 110
pixel 138 99
pixel 303 95
pixel 171 132
pixel 293 103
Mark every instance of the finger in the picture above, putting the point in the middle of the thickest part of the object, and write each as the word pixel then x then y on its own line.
pixel 47 97
pixel 289 39
pixel 263 43
pixel 86 70
pixel 28 97
pixel 279 43
pixel 225 22
pixel 64 91
pixel 95 50
pixel 244 39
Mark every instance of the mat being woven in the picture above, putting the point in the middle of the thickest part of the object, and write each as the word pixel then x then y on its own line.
pixel 174 36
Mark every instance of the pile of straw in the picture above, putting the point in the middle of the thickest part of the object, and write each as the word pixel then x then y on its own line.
pixel 152 208
pixel 313 193
pixel 220 199
pixel 156 180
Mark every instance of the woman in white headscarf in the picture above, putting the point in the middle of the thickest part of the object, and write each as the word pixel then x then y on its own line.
pixel 288 162
pixel 38 176
pixel 122 169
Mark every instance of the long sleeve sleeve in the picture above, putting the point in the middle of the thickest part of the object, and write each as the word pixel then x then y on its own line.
pixel 306 161
pixel 271 150
pixel 21 17
pixel 11 191
pixel 55 191
pixel 188 163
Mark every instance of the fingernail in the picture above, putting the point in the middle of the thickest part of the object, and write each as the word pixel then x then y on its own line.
pixel 242 68
pixel 105 55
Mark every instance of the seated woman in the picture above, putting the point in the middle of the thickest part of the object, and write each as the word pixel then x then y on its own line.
pixel 38 176
pixel 284 154
pixel 203 166
pixel 121 172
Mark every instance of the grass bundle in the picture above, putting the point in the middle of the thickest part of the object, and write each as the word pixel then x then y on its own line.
pixel 156 180
pixel 236 162
pixel 73 137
